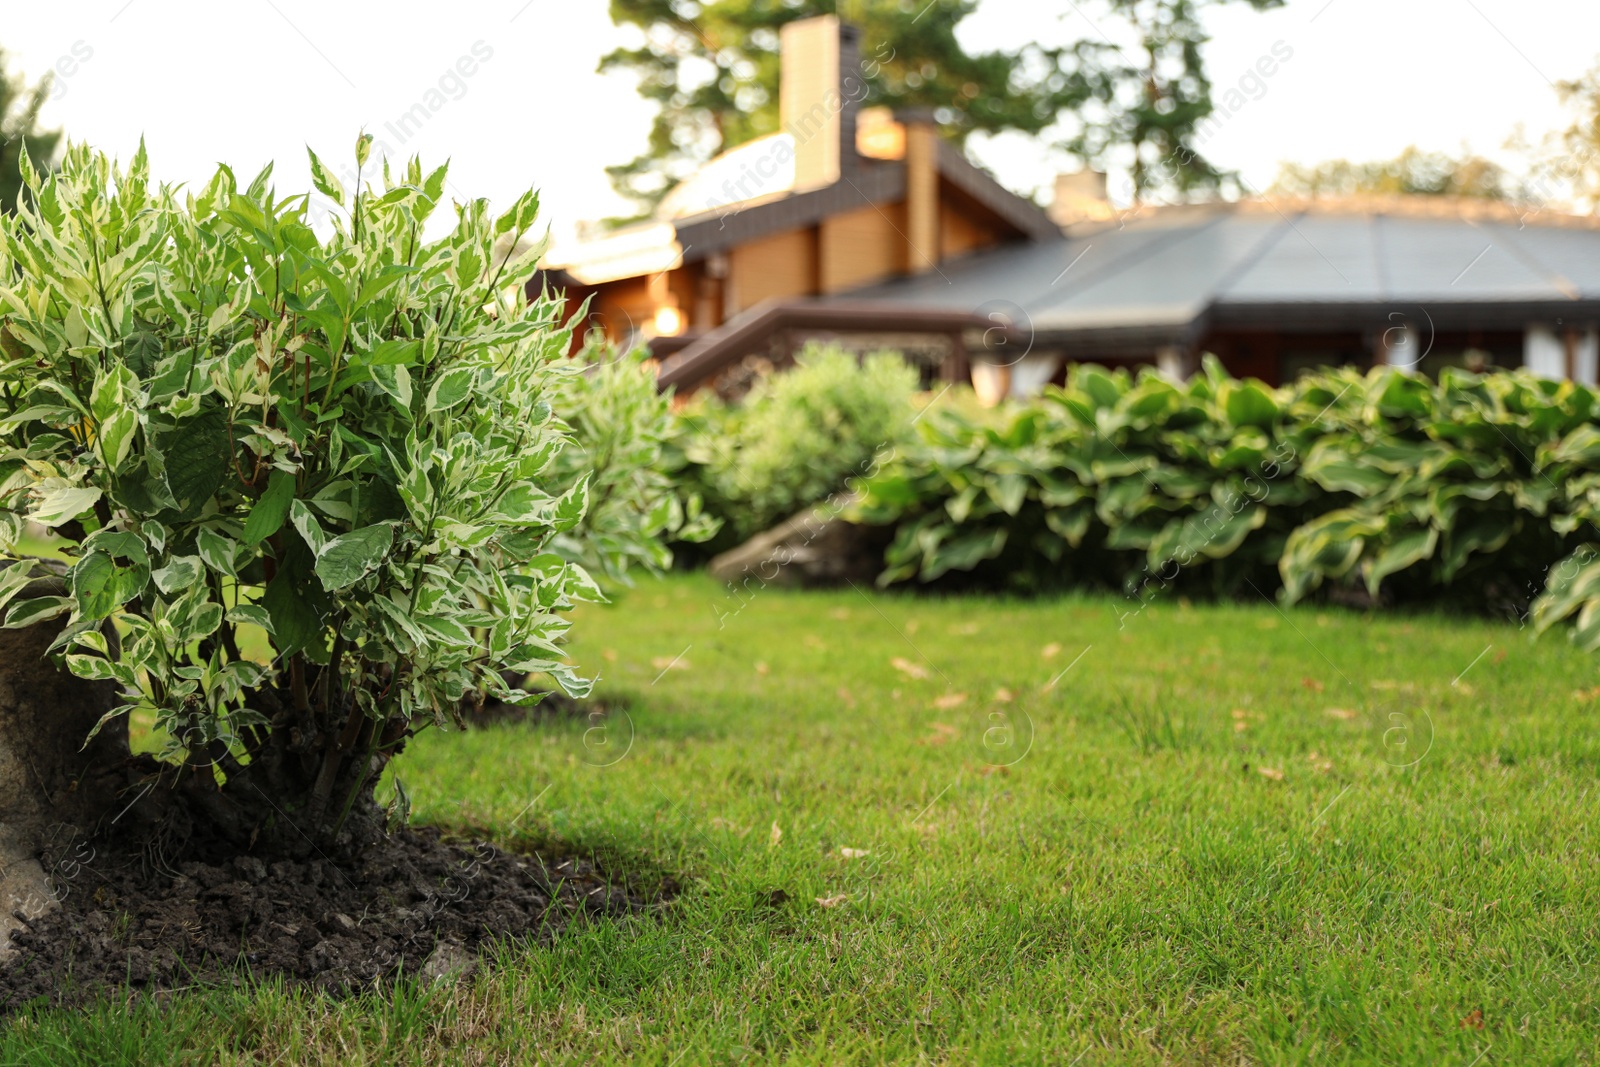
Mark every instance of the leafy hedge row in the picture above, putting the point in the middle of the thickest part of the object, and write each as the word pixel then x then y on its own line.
pixel 1475 484
pixel 795 440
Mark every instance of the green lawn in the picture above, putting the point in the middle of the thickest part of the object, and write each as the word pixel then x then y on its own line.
pixel 1227 834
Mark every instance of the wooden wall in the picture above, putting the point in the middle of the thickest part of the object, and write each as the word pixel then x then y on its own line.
pixel 784 264
pixel 863 246
pixel 960 233
pixel 845 251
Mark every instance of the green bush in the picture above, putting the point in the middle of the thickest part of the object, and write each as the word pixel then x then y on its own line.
pixel 621 427
pixel 797 438
pixel 1472 486
pixel 349 452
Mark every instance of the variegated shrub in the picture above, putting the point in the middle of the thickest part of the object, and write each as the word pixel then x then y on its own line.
pixel 314 490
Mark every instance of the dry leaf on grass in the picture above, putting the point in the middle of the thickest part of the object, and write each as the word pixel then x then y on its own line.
pixel 1270 772
pixel 906 667
pixel 1004 695
pixel 1340 713
pixel 840 613
pixel 966 630
pixel 1311 684
pixel 833 902
pixel 813 641
pixel 761 667
pixel 950 700
pixel 1051 650
pixel 777 834
pixel 1586 694
pixel 1474 1020
pixel 1464 688
pixel 670 663
pixel 942 733
pixel 1319 763
pixel 853 853
pixel 847 698
pixel 610 655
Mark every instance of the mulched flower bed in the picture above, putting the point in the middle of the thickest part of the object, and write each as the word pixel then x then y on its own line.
pixel 412 905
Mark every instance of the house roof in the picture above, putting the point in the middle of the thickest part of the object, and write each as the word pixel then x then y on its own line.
pixel 695 222
pixel 1163 276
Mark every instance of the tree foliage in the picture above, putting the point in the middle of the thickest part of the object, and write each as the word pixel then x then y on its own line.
pixel 1145 101
pixel 320 487
pixel 711 67
pixel 1572 162
pixel 20 134
pixel 1413 172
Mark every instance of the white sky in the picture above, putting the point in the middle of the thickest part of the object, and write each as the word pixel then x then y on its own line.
pixel 251 80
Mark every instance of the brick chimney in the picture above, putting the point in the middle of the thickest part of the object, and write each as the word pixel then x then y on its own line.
pixel 820 87
pixel 1080 197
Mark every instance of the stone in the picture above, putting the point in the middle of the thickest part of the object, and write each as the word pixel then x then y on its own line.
pixel 449 962
pixel 817 547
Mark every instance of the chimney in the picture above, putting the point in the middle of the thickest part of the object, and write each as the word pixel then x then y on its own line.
pixel 1080 197
pixel 922 188
pixel 820 87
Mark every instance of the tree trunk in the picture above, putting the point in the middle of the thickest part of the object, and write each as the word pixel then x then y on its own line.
pixel 53 787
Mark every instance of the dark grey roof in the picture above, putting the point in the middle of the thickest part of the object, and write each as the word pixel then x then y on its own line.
pixel 1165 275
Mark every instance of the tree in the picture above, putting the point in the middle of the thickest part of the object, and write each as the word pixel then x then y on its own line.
pixel 712 68
pixel 1147 102
pixel 312 493
pixel 1412 172
pixel 1571 163
pixel 19 133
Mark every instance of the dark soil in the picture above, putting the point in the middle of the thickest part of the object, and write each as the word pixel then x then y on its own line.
pixel 413 904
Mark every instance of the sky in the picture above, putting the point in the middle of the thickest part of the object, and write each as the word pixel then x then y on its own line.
pixel 513 98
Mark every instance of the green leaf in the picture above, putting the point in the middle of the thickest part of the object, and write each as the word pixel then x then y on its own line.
pixel 1410 547
pixel 101 585
pixel 197 459
pixel 1247 403
pixel 268 513
pixel 348 558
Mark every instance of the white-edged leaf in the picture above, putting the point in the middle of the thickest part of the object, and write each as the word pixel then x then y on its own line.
pixel 252 614
pixel 310 529
pixel 180 573
pixel 26 613
pixel 350 557
pixel 63 503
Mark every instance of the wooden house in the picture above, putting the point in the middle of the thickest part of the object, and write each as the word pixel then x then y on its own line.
pixel 871 229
